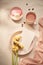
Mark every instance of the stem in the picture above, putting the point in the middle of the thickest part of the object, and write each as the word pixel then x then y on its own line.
pixel 15 59
pixel 16 62
pixel 13 62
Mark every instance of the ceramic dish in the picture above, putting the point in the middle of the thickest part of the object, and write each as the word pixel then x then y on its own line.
pixel 16 13
pixel 30 17
pixel 26 41
pixel 41 22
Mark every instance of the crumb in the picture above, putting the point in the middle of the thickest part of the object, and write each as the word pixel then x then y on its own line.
pixel 24 22
pixel 32 8
pixel 26 3
pixel 22 25
pixel 28 9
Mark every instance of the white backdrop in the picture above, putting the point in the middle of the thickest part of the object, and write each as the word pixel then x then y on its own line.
pixel 7 25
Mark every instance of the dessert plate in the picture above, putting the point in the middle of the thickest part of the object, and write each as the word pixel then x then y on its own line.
pixel 26 40
pixel 16 13
pixel 41 22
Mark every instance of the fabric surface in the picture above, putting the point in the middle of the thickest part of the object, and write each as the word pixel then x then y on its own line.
pixel 38 56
